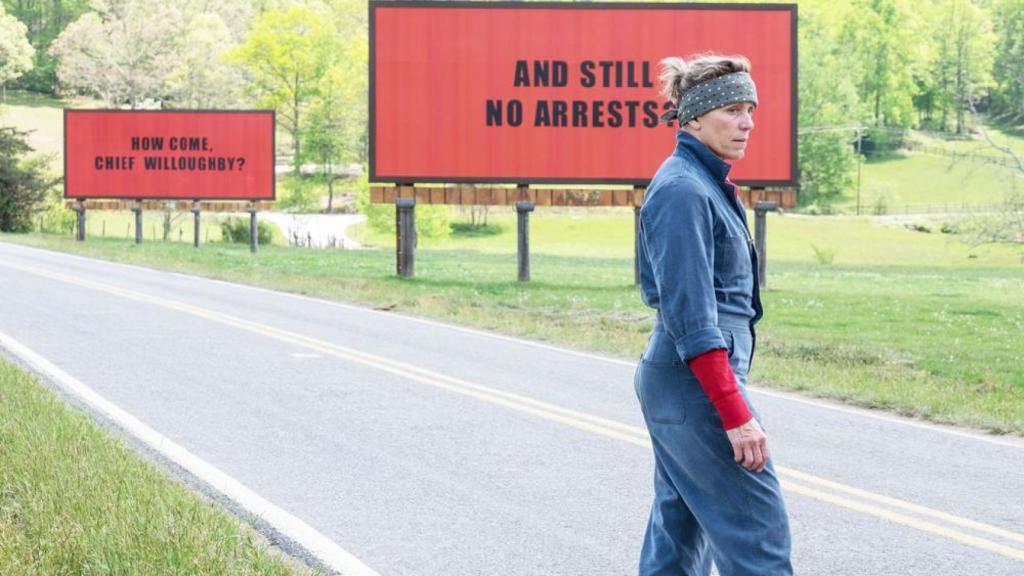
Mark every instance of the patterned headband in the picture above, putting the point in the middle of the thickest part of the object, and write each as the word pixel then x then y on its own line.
pixel 712 94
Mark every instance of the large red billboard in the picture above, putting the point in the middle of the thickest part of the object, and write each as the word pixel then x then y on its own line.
pixel 550 92
pixel 185 155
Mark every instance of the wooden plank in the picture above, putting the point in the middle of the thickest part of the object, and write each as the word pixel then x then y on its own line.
pixel 575 198
pixel 503 196
pixel 177 206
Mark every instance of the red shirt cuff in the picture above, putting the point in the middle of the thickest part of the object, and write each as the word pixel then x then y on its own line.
pixel 719 383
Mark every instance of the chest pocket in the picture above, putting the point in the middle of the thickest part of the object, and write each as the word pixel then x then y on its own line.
pixel 732 259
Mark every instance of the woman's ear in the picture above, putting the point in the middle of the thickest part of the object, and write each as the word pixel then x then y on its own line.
pixel 693 124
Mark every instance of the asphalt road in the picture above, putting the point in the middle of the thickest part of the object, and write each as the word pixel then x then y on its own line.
pixel 428 449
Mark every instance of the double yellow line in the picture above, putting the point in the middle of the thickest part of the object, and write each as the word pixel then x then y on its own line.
pixel 937 522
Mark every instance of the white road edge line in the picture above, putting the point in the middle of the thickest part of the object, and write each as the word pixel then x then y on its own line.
pixel 323 548
pixel 789 396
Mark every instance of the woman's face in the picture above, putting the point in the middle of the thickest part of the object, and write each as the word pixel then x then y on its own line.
pixel 725 130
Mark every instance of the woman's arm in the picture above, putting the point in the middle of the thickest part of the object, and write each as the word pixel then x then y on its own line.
pixel 678 237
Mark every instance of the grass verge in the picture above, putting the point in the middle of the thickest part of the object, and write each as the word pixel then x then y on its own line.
pixel 75 500
pixel 936 340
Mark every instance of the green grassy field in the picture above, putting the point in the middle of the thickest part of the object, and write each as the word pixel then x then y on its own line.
pixel 608 233
pixel 43 116
pixel 75 500
pixel 902 320
pixel 929 181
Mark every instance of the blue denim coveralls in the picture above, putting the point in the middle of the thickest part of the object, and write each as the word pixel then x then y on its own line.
pixel 697 269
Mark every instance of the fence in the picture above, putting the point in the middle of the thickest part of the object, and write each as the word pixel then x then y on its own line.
pixel 956 156
pixel 933 208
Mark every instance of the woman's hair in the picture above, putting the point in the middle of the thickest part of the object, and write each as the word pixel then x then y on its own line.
pixel 678 75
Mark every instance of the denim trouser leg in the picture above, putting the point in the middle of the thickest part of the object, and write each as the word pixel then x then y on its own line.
pixel 702 496
pixel 674 542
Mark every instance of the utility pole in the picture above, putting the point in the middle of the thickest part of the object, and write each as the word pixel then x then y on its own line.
pixel 860 131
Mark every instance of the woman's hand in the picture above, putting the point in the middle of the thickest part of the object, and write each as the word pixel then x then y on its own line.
pixel 749 445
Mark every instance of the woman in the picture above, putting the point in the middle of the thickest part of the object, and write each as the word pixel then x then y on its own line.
pixel 716 496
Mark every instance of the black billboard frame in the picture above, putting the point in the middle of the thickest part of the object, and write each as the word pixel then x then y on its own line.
pixel 793 181
pixel 273 155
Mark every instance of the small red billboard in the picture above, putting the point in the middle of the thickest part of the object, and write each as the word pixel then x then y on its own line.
pixel 553 92
pixel 181 155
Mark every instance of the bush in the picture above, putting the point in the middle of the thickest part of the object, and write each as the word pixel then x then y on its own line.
pixel 55 217
pixel 881 207
pixel 950 228
pixel 827 165
pixel 24 182
pixel 237 230
pixel 818 210
pixel 432 222
pixel 882 141
pixel 299 195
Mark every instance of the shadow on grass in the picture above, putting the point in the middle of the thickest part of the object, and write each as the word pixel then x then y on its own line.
pixel 1015 131
pixel 467 230
pixel 886 156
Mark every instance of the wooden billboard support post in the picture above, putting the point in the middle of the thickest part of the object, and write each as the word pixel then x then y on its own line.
pixel 137 209
pixel 79 209
pixel 253 228
pixel 405 197
pixel 196 207
pixel 405 231
pixel 761 238
pixel 196 222
pixel 523 210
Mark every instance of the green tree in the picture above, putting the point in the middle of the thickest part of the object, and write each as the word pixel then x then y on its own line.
pixel 286 54
pixel 325 136
pixel 15 50
pixel 202 77
pixel 24 182
pixel 352 24
pixel 963 66
pixel 337 129
pixel 829 107
pixel 237 15
pixel 883 34
pixel 1008 94
pixel 45 20
pixel 123 53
